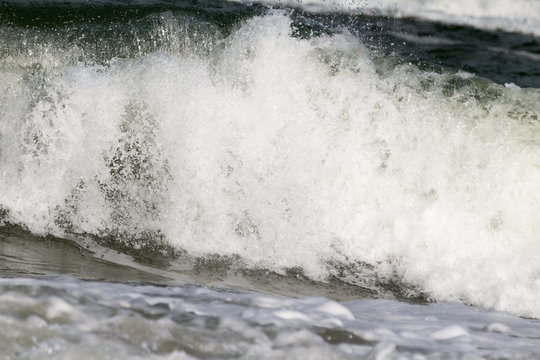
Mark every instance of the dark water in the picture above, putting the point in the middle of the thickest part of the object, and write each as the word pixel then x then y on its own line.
pixel 127 29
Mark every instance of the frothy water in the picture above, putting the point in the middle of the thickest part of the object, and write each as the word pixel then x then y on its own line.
pixel 87 320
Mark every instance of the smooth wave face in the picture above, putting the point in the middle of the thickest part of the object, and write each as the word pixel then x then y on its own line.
pixel 257 138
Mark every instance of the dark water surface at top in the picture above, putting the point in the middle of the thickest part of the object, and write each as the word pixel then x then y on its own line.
pixel 123 29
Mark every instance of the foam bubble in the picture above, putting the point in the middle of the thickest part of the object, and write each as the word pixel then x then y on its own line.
pixel 450 332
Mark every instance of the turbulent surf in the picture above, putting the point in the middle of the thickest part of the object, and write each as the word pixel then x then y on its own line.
pixel 340 150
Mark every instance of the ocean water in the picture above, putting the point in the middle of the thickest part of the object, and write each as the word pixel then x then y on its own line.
pixel 277 179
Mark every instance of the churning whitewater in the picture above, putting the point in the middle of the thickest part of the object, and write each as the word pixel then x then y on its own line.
pixel 285 151
pixel 303 138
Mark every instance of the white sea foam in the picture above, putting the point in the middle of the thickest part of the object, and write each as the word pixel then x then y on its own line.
pixel 288 153
pixel 211 323
pixel 522 16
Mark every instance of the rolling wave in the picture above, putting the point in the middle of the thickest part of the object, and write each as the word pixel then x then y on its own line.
pixel 250 136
